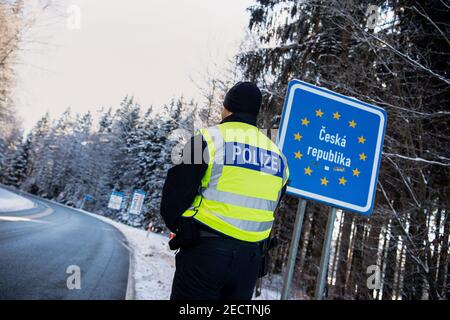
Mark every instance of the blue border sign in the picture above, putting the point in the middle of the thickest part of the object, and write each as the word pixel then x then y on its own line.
pixel 333 146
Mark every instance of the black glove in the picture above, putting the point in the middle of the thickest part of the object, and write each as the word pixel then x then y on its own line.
pixel 187 234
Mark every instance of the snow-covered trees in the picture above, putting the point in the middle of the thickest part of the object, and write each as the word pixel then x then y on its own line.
pixel 15 22
pixel 70 157
pixel 17 162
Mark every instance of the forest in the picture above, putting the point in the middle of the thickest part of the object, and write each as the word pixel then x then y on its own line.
pixel 396 57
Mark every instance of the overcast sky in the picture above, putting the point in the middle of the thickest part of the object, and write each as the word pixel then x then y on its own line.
pixel 147 48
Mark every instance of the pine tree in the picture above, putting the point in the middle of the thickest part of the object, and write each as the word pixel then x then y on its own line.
pixel 102 150
pixel 17 163
pixel 124 127
pixel 39 145
pixel 79 164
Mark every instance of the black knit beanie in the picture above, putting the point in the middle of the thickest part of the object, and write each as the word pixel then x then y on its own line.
pixel 243 97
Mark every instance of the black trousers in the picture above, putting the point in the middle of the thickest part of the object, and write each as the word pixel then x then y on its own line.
pixel 216 269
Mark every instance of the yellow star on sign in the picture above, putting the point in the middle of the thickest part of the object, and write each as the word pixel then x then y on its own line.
pixel 361 139
pixel 336 115
pixel 319 113
pixel 342 181
pixel 356 172
pixel 352 124
pixel 362 156
pixel 305 121
pixel 324 181
pixel 308 171
pixel 298 155
pixel 298 136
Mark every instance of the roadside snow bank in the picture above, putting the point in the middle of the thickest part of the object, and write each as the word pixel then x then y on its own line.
pixel 12 202
pixel 152 265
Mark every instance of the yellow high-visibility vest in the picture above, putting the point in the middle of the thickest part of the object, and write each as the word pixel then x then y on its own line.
pixel 242 185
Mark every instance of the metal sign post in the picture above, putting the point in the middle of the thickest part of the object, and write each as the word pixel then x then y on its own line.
pixel 82 203
pixel 325 258
pixel 293 249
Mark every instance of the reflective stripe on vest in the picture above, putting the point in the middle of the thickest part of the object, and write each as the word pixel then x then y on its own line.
pixel 246 225
pixel 249 218
pixel 219 156
pixel 239 200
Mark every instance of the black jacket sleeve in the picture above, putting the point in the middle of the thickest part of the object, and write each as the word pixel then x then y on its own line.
pixel 183 182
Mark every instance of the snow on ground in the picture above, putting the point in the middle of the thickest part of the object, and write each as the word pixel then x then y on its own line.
pixel 270 288
pixel 12 202
pixel 153 263
pixel 268 294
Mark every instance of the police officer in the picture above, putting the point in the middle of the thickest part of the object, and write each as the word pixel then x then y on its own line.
pixel 220 202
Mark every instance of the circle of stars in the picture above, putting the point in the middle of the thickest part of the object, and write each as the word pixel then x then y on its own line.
pixel 307 170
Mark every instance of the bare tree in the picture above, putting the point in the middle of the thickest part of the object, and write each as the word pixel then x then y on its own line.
pixel 400 64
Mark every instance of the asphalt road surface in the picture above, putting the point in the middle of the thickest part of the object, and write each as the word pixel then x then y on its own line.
pixel 38 247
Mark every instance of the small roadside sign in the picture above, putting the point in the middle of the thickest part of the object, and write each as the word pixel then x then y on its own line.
pixel 115 200
pixel 137 202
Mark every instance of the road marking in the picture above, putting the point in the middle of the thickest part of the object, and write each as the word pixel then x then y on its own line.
pixel 29 218
pixel 129 295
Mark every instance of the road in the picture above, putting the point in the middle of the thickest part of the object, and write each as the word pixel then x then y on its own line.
pixel 38 245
